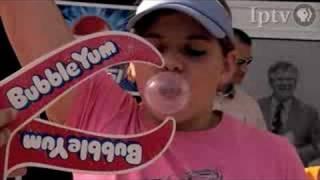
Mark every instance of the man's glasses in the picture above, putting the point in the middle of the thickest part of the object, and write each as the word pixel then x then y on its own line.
pixel 242 61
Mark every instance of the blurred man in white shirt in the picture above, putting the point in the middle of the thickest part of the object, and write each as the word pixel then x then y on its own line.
pixel 232 99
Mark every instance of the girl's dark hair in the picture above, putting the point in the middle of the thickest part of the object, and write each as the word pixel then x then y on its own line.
pixel 142 26
pixel 242 36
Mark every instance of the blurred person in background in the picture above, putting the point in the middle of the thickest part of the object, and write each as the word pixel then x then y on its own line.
pixel 287 115
pixel 232 99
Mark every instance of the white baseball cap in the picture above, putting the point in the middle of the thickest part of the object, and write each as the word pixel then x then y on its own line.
pixel 209 13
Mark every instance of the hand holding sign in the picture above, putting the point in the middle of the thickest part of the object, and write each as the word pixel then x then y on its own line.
pixel 7 115
pixel 40 84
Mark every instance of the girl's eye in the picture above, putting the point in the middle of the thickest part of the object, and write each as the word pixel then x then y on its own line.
pixel 192 52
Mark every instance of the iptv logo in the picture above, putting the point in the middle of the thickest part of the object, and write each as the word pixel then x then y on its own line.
pixel 303 15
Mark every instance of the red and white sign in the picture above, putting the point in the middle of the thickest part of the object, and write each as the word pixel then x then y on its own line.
pixel 35 142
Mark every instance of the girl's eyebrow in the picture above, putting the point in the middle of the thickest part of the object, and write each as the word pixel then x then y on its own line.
pixel 199 37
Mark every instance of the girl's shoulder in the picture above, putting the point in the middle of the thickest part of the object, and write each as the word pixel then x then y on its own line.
pixel 255 137
pixel 266 147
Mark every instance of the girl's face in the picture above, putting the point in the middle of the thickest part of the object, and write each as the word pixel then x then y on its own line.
pixel 188 49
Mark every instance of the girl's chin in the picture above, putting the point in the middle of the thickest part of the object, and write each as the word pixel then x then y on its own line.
pixel 159 117
pixel 178 117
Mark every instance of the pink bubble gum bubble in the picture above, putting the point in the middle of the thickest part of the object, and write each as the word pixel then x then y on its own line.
pixel 167 93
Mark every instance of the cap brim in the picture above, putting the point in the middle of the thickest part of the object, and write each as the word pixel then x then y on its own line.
pixel 209 24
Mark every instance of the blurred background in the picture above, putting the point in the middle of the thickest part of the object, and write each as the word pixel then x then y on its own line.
pixel 283 39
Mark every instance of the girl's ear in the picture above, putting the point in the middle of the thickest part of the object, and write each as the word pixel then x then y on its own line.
pixel 131 73
pixel 228 70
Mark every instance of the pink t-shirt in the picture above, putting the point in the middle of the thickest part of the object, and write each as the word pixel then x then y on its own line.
pixel 230 151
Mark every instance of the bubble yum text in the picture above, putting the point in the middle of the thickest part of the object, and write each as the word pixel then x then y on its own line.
pixel 55 77
pixel 86 149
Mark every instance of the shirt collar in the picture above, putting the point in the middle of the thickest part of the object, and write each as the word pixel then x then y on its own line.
pixel 229 91
pixel 286 104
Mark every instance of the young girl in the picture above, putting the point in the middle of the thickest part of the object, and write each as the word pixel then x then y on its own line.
pixel 195 39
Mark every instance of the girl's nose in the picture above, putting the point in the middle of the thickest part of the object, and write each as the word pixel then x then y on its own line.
pixel 173 63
